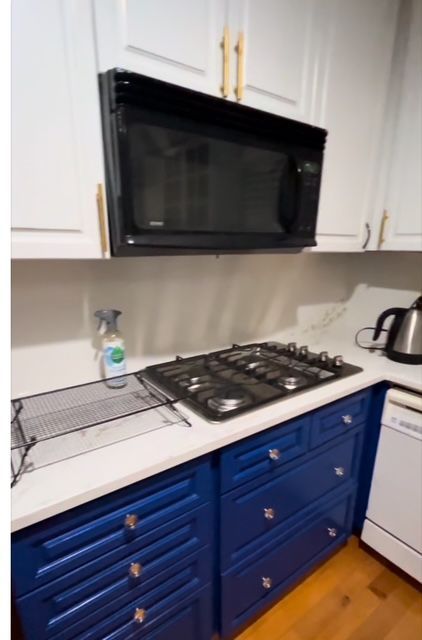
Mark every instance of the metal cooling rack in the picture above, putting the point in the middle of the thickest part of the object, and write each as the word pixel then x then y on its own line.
pixel 36 419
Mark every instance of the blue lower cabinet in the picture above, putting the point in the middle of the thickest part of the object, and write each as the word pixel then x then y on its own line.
pixel 135 605
pixel 258 582
pixel 252 514
pixel 112 524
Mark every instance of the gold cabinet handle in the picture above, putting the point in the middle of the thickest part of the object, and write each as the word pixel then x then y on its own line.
pixel 381 238
pixel 135 570
pixel 139 615
pixel 102 218
pixel 240 66
pixel 131 521
pixel 226 63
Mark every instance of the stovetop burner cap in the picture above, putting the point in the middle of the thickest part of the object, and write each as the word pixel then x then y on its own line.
pixel 228 399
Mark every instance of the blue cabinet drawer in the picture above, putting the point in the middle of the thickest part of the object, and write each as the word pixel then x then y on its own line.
pixel 338 418
pixel 72 540
pixel 94 616
pixel 261 580
pixel 263 454
pixel 254 513
pixel 81 592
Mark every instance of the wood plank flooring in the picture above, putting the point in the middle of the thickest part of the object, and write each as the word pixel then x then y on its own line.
pixel 351 597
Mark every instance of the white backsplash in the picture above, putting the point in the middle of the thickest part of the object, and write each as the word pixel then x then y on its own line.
pixel 192 304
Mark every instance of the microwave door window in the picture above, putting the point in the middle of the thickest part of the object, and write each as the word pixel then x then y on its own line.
pixel 188 182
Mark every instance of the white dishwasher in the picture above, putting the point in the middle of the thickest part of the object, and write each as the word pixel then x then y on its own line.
pixel 393 524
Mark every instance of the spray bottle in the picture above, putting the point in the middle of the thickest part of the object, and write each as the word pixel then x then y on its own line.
pixel 113 347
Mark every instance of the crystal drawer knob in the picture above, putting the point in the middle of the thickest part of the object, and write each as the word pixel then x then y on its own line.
pixel 269 513
pixel 139 615
pixel 135 570
pixel 332 532
pixel 274 454
pixel 339 471
pixel 131 521
pixel 267 583
pixel 347 419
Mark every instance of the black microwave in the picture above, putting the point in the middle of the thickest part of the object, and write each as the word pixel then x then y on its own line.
pixel 187 172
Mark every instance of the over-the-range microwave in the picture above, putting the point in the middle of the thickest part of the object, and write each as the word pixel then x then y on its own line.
pixel 188 172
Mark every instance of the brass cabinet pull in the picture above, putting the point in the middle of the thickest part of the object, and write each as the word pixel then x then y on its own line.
pixel 131 521
pixel 139 615
pixel 226 63
pixel 381 239
pixel 135 570
pixel 240 66
pixel 102 218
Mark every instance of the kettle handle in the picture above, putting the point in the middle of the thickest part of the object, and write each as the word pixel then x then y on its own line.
pixel 394 311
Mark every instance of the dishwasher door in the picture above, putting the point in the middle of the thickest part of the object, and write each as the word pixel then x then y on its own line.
pixel 393 524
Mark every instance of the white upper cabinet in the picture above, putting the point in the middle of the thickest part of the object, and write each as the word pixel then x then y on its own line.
pixel 400 226
pixel 355 82
pixel 277 62
pixel 56 131
pixel 179 41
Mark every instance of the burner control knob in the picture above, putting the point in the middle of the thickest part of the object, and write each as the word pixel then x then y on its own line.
pixel 323 356
pixel 338 361
pixel 304 351
pixel 291 347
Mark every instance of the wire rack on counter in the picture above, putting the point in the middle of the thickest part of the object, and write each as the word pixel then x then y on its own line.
pixel 71 421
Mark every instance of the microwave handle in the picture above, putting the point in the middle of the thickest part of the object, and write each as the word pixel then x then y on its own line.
pixel 294 192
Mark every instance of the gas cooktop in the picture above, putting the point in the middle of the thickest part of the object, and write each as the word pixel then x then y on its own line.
pixel 224 384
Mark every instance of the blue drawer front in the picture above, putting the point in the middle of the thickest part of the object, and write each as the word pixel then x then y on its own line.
pixel 244 525
pixel 44 617
pixel 190 620
pixel 283 562
pixel 338 418
pixel 85 590
pixel 49 550
pixel 250 459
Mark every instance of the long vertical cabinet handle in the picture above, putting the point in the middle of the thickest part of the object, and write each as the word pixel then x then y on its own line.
pixel 226 63
pixel 102 219
pixel 381 239
pixel 240 66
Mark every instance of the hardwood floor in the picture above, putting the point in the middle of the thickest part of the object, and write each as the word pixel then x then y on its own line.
pixel 351 597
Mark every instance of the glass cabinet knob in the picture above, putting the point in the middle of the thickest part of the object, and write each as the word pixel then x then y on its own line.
pixel 135 570
pixel 339 471
pixel 267 583
pixel 131 521
pixel 269 513
pixel 332 532
pixel 274 454
pixel 139 615
pixel 347 419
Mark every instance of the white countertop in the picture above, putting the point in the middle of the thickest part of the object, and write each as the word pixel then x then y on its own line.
pixel 50 490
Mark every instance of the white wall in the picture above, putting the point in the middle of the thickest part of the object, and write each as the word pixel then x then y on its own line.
pixel 191 304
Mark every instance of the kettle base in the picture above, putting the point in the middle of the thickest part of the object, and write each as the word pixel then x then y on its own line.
pixel 405 358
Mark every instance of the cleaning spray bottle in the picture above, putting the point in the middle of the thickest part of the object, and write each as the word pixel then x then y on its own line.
pixel 113 347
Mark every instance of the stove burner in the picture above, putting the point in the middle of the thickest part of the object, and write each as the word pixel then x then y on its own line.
pixel 292 382
pixel 228 400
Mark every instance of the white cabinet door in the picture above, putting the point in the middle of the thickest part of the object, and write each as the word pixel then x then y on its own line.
pixel 56 131
pixel 178 41
pixel 403 201
pixel 280 54
pixel 359 54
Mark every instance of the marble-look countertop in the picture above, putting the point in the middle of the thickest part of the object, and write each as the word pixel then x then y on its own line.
pixel 53 489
